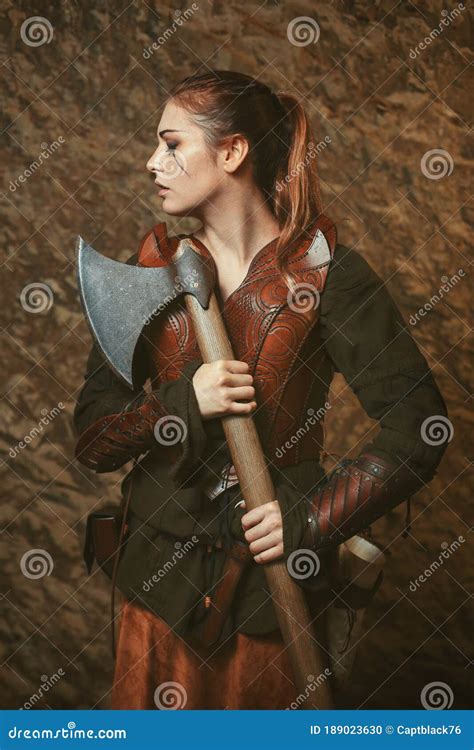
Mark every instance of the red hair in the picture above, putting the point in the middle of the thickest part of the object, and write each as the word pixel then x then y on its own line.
pixel 280 136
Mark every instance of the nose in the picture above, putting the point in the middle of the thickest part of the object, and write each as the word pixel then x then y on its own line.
pixel 152 163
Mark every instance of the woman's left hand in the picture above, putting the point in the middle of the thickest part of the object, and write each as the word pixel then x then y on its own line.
pixel 263 527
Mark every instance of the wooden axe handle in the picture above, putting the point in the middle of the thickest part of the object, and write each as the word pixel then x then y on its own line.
pixel 306 658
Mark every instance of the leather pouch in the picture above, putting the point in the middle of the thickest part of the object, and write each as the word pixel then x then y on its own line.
pixel 102 539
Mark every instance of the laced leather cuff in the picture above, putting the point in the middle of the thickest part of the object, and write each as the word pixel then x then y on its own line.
pixel 111 441
pixel 354 495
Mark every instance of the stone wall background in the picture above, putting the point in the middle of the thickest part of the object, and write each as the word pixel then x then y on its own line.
pixel 91 87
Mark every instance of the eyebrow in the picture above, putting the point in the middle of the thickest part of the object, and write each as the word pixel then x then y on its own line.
pixel 168 130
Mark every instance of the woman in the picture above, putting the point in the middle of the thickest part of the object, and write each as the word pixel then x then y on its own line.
pixel 297 307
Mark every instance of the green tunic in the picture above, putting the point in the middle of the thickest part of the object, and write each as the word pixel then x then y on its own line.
pixel 162 567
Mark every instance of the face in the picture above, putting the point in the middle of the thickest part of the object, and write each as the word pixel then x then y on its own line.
pixel 183 165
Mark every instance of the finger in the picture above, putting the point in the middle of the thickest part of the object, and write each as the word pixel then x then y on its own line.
pixel 253 517
pixel 269 555
pixel 236 365
pixel 241 504
pixel 258 531
pixel 236 408
pixel 267 542
pixel 245 392
pixel 256 515
pixel 234 380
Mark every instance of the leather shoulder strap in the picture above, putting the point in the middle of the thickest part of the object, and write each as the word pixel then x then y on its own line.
pixel 156 248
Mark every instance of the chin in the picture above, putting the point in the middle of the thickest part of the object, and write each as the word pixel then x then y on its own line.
pixel 170 207
pixel 171 211
pixel 173 208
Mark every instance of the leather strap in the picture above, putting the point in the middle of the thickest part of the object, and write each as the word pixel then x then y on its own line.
pixel 226 478
pixel 123 531
pixel 218 606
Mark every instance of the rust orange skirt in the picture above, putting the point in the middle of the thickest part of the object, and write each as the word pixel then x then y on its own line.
pixel 156 669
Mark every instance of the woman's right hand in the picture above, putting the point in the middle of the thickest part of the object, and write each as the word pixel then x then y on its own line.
pixel 220 386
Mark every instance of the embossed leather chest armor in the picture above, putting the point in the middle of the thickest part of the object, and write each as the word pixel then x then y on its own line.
pixel 271 328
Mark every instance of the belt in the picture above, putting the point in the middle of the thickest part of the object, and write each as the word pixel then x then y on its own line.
pixel 225 479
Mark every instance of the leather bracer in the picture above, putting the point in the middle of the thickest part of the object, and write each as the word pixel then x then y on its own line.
pixel 113 440
pixel 354 495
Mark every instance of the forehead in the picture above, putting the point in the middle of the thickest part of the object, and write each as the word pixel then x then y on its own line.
pixel 175 118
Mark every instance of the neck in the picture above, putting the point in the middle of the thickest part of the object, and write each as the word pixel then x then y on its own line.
pixel 235 236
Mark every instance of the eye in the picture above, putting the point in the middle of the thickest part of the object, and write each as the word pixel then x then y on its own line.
pixel 171 145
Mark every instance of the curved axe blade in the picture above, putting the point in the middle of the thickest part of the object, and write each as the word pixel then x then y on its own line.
pixel 120 299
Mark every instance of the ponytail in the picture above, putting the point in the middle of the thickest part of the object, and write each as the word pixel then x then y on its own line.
pixel 296 195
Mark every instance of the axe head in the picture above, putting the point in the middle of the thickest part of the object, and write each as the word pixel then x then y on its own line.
pixel 120 299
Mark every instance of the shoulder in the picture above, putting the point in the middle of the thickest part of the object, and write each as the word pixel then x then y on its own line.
pixel 354 291
pixel 349 269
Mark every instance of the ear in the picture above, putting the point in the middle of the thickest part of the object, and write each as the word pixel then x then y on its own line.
pixel 234 151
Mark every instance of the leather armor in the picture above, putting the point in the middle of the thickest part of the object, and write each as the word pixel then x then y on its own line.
pixel 113 440
pixel 354 495
pixel 277 335
pixel 270 330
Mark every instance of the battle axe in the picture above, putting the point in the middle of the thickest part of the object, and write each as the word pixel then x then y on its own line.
pixel 118 300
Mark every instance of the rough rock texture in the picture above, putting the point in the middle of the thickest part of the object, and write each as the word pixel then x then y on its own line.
pixel 384 105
